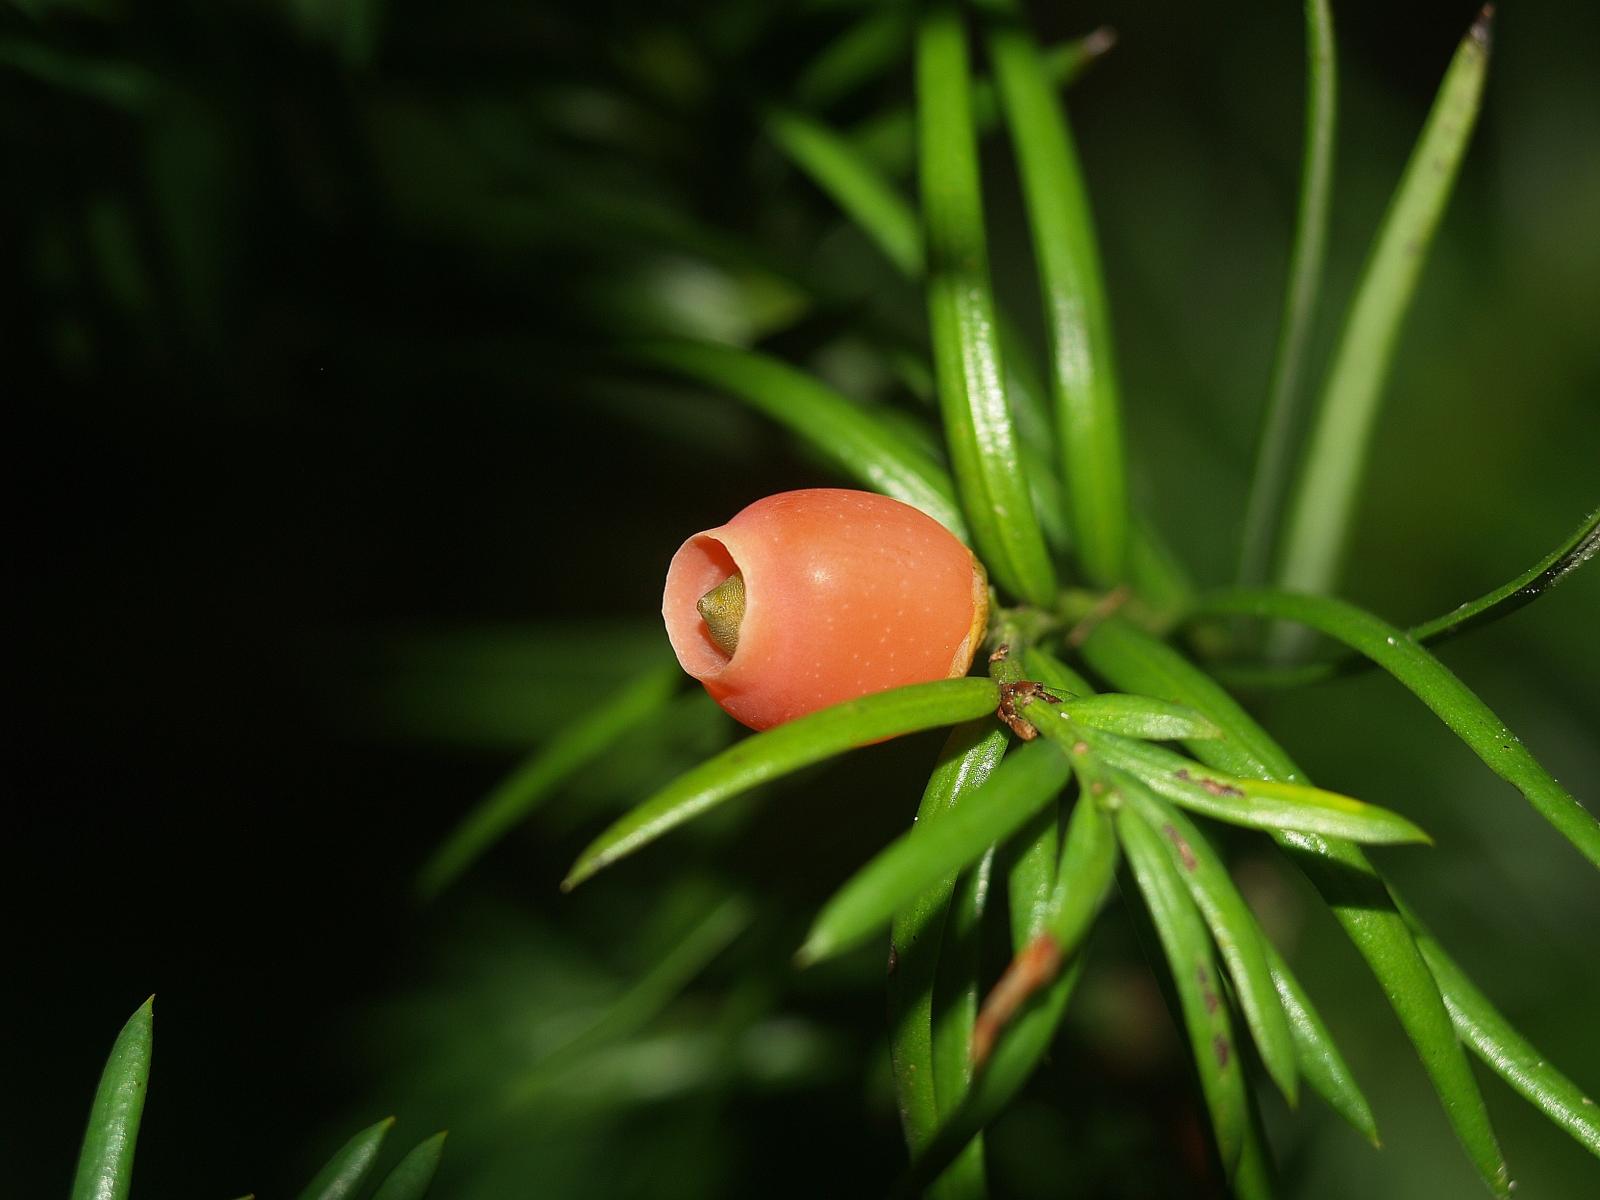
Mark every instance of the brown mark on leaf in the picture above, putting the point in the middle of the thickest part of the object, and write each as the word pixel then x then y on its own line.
pixel 1206 992
pixel 1214 786
pixel 1182 846
pixel 1003 653
pixel 1033 968
pixel 1080 747
pixel 1224 1050
pixel 894 958
pixel 1016 696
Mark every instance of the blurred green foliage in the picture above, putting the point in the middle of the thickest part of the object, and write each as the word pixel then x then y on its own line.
pixel 331 517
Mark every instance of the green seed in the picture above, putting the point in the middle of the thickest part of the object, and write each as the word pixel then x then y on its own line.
pixel 722 609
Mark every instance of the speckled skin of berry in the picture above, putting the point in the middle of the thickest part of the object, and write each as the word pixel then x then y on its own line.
pixel 846 593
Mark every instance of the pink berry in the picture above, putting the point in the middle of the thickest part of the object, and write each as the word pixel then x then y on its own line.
pixel 809 598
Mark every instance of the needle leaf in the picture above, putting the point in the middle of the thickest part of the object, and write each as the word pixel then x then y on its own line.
pixel 781 751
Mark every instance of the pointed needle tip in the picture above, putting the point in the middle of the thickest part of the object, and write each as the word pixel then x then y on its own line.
pixel 1481 27
pixel 1099 41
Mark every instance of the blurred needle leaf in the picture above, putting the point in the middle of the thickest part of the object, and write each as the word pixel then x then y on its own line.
pixel 873 202
pixel 888 140
pixel 977 422
pixel 1023 784
pixel 777 752
pixel 860 54
pixel 955 1009
pixel 568 752
pixel 105 1163
pixel 1352 886
pixel 1238 937
pixel 121 84
pixel 1506 1051
pixel 1187 947
pixel 863 448
pixel 1324 501
pixel 412 1176
pixel 1317 1056
pixel 1316 1052
pixel 1577 549
pixel 865 196
pixel 1025 392
pixel 884 216
pixel 343 1174
pixel 970 756
pixel 1031 881
pixel 1088 863
pixel 1436 686
pixel 1275 455
pixel 646 997
pixel 1253 1179
pixel 1077 318
pixel 1041 907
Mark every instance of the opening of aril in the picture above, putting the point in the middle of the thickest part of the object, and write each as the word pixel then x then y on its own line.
pixel 701 565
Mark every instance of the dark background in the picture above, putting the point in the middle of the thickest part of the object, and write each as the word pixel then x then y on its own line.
pixel 321 518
